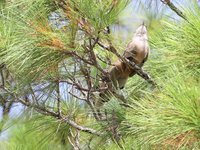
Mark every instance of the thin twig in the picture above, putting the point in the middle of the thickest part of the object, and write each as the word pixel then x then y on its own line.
pixel 47 112
pixel 108 62
pixel 2 78
pixel 58 98
pixel 81 128
pixel 174 8
pixel 79 87
pixel 80 98
pixel 76 138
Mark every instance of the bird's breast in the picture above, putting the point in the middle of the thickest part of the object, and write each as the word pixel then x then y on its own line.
pixel 141 50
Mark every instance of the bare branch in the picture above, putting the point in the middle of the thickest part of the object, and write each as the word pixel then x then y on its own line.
pixel 81 128
pixel 108 62
pixel 47 112
pixel 80 98
pixel 79 87
pixel 174 8
pixel 76 138
pixel 2 78
pixel 58 98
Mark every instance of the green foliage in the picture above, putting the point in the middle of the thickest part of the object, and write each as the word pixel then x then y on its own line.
pixel 100 13
pixel 178 41
pixel 38 133
pixel 33 49
pixel 167 117
pixel 31 46
pixel 170 116
pixel 33 131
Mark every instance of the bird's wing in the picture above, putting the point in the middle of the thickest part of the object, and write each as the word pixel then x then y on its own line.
pixel 130 51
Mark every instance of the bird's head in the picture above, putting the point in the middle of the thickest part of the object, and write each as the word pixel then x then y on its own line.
pixel 141 30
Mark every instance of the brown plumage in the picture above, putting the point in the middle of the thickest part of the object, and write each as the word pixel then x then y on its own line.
pixel 137 51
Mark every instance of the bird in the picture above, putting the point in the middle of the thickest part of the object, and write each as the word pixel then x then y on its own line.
pixel 137 51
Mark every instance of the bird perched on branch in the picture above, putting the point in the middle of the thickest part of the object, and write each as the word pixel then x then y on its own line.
pixel 137 52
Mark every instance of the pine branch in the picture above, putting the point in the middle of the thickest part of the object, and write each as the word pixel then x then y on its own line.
pixel 81 128
pixel 48 112
pixel 174 8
